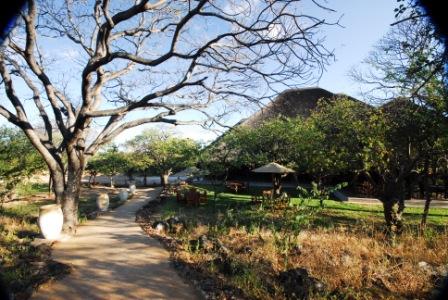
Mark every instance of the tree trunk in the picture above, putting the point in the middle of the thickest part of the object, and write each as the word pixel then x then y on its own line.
pixel 111 179
pixel 394 223
pixel 320 191
pixel 70 207
pixel 67 188
pixel 50 185
pixel 164 179
pixel 145 179
pixel 67 194
pixel 421 189
pixel 425 213
pixel 399 215
pixel 392 215
pixel 72 189
pixel 445 183
pixel 393 203
pixel 427 197
pixel 276 182
pixel 388 213
pixel 58 179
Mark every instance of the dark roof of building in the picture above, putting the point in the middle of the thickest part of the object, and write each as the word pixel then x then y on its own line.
pixel 289 104
pixel 292 103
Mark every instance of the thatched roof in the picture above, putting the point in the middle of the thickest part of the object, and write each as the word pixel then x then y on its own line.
pixel 273 168
pixel 292 103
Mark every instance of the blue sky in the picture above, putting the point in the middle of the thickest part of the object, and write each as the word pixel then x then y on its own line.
pixel 363 23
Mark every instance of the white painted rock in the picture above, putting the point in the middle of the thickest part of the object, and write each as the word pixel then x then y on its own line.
pixel 51 220
pixel 132 189
pixel 443 270
pixel 160 226
pixel 423 265
pixel 123 195
pixel 102 202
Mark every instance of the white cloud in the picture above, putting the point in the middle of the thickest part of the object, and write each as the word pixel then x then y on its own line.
pixel 275 31
pixel 244 7
pixel 70 54
pixel 196 133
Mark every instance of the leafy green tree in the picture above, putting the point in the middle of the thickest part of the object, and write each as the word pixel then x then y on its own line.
pixel 327 143
pixel 18 159
pixel 389 144
pixel 412 137
pixel 408 67
pixel 333 139
pixel 110 163
pixel 92 168
pixel 138 163
pixel 252 147
pixel 270 142
pixel 218 158
pixel 165 153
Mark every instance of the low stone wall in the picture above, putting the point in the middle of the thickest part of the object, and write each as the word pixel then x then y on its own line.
pixel 122 180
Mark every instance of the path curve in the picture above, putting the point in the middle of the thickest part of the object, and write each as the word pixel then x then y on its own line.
pixel 112 258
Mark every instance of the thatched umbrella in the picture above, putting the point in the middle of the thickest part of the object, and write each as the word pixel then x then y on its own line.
pixel 278 171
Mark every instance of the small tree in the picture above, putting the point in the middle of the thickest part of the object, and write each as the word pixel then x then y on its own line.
pixel 270 142
pixel 139 163
pixel 318 193
pixel 18 160
pixel 110 163
pixel 333 138
pixel 216 160
pixel 165 153
pixel 92 168
pixel 407 68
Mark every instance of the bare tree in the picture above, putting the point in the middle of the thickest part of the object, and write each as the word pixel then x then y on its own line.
pixel 164 57
pixel 408 62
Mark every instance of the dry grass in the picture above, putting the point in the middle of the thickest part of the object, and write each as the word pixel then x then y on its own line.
pixel 23 266
pixel 347 263
pixel 353 261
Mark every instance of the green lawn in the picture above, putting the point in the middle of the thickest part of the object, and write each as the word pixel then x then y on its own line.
pixel 437 216
pixel 333 214
pixel 27 189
